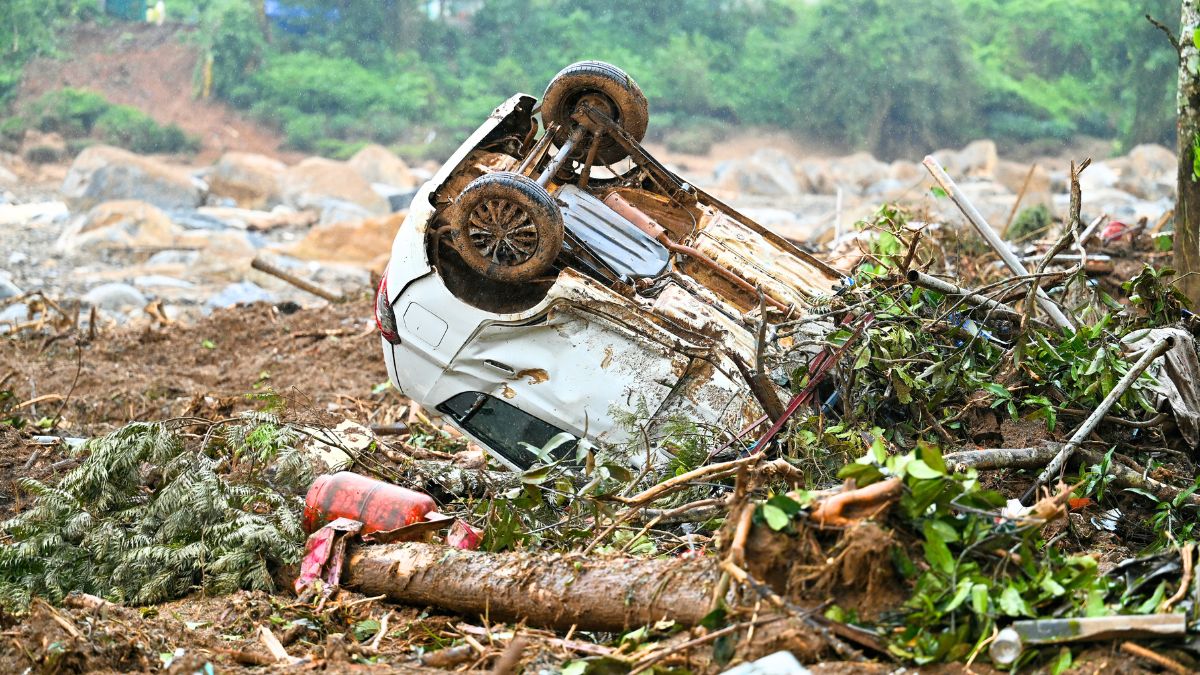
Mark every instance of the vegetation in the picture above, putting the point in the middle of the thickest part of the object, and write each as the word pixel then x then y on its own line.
pixel 81 114
pixel 891 76
pixel 146 518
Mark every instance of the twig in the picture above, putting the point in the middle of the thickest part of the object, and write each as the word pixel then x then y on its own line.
pixel 1185 582
pixel 1166 31
pixel 511 658
pixel 737 549
pixel 1134 649
pixel 981 225
pixel 266 267
pixel 649 661
pixel 1017 204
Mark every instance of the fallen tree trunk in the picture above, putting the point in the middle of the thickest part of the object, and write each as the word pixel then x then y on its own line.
pixel 559 591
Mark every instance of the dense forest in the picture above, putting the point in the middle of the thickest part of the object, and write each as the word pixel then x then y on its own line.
pixel 890 76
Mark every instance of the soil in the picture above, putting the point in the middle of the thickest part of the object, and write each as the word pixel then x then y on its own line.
pixel 152 68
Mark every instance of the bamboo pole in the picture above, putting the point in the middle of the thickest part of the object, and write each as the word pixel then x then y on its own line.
pixel 993 239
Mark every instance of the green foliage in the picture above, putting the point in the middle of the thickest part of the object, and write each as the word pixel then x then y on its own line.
pixel 1029 221
pixel 145 518
pixel 79 113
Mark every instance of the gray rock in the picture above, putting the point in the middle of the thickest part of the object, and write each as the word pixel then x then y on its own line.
pixel 243 292
pixel 13 314
pixel 102 173
pixel 7 288
pixel 768 172
pixel 194 220
pixel 161 281
pixel 340 211
pixel 116 297
pixel 173 257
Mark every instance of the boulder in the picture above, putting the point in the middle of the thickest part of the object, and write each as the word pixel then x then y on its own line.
pixel 1149 172
pixel 1012 175
pixel 768 172
pixel 908 172
pixel 1098 176
pixel 115 297
pixel 34 213
pixel 376 164
pixel 251 181
pixel 7 288
pixel 366 242
pixel 315 181
pixel 978 159
pixel 224 255
pixel 117 225
pixel 855 173
pixel 103 173
pixel 240 293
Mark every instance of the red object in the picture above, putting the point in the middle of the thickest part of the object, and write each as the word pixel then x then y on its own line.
pixel 378 505
pixel 1113 230
pixel 464 536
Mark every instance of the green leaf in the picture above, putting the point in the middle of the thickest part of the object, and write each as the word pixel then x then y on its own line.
pixel 786 504
pixel 1012 604
pixel 998 391
pixel 1062 662
pixel 574 668
pixel 937 554
pixel 538 474
pixel 775 517
pixel 208 344
pixel 979 599
pixel 964 589
pixel 937 192
pixel 365 629
pixel 920 470
pixel 1153 601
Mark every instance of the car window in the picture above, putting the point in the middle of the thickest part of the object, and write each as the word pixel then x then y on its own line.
pixel 503 426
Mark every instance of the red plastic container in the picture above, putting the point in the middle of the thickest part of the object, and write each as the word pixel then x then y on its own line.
pixel 379 506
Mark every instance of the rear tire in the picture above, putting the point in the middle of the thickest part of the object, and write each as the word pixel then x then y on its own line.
pixel 605 87
pixel 506 227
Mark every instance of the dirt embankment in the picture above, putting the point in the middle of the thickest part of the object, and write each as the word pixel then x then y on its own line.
pixel 152 68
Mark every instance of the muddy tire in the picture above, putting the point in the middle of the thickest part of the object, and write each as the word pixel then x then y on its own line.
pixel 605 87
pixel 506 227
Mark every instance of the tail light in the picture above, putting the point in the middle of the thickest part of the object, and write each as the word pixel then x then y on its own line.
pixel 385 317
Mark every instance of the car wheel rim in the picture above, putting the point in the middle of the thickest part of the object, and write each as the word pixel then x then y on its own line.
pixel 502 232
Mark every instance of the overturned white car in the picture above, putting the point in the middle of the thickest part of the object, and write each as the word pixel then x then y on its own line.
pixel 554 276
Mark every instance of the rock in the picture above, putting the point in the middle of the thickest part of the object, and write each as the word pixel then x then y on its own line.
pixel 1152 160
pixel 173 257
pixel 779 220
pixel 223 255
pixel 1098 176
pixel 13 314
pixel 240 293
pixel 316 180
pixel 908 172
pixel 366 242
pixel 161 281
pixel 1012 176
pixel 339 211
pixel 117 225
pixel 115 297
pixel 43 148
pixel 103 173
pixel 376 164
pixel 251 181
pixel 1150 172
pixel 7 288
pixel 855 173
pixel 978 159
pixel 768 172
pixel 32 214
pixel 249 219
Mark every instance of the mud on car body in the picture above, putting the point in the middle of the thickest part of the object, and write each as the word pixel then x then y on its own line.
pixel 553 276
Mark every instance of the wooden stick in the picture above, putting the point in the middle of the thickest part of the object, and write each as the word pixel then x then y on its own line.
pixel 266 267
pixel 1089 425
pixel 1020 195
pixel 989 235
pixel 1134 649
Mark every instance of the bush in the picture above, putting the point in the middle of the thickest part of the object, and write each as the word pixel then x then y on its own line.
pixel 79 114
pixel 131 128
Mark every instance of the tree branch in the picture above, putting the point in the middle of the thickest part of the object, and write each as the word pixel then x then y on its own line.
pixel 1166 31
